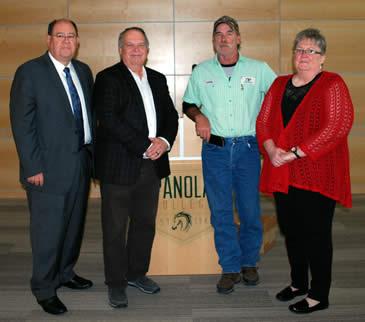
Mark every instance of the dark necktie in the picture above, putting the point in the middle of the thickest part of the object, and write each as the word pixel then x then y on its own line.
pixel 76 107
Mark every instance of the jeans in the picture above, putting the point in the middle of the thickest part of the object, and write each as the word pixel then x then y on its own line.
pixel 231 175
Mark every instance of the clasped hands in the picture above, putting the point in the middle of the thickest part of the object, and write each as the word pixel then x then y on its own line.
pixel 279 157
pixel 157 148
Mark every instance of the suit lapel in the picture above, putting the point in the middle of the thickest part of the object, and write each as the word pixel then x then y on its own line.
pixel 132 83
pixel 60 89
pixel 134 91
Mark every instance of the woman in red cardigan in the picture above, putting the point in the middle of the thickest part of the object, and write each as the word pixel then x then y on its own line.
pixel 302 130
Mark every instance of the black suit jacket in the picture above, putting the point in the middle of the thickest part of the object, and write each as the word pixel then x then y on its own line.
pixel 122 130
pixel 43 125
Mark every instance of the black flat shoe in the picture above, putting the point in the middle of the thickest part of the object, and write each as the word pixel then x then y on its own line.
pixel 288 294
pixel 302 307
pixel 53 305
pixel 78 283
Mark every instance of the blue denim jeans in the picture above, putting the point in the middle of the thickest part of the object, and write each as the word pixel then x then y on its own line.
pixel 231 174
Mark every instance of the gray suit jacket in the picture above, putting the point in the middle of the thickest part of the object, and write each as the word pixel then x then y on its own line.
pixel 43 125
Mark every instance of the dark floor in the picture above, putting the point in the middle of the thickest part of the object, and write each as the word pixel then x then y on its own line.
pixel 183 298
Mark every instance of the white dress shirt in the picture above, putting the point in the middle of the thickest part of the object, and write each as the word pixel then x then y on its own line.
pixel 60 67
pixel 149 104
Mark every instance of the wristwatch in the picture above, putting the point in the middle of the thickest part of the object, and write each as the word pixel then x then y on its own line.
pixel 294 149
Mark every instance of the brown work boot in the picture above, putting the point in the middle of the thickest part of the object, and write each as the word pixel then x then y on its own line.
pixel 250 276
pixel 226 283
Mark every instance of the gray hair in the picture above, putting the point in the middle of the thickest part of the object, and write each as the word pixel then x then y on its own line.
pixel 231 22
pixel 122 35
pixel 312 34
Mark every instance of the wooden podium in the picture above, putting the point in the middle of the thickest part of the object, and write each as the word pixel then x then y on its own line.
pixel 184 242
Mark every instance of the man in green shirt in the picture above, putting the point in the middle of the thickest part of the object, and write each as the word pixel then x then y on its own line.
pixel 223 98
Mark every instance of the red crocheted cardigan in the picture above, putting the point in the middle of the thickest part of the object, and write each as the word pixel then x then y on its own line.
pixel 320 126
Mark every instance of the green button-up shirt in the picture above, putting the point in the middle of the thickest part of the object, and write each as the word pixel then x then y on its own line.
pixel 231 105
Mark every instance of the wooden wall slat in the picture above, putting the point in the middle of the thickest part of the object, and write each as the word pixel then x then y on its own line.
pixel 356 85
pixel 323 9
pixel 31 11
pixel 240 9
pixel 96 11
pixel 18 44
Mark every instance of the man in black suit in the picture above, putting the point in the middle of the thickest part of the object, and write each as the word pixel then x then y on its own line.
pixel 52 127
pixel 136 127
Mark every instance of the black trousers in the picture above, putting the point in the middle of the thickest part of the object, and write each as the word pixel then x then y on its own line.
pixel 56 231
pixel 128 224
pixel 305 219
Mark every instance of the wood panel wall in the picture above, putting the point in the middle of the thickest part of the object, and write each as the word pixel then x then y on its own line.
pixel 180 35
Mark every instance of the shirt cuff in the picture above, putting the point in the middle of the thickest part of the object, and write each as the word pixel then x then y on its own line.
pixel 144 155
pixel 167 142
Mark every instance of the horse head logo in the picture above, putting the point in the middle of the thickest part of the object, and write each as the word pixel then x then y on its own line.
pixel 182 220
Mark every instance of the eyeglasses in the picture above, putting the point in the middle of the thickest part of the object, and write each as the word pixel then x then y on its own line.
pixel 63 36
pixel 300 51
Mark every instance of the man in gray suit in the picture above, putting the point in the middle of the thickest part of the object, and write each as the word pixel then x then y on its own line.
pixel 52 126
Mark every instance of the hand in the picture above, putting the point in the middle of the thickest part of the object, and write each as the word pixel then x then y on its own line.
pixel 37 179
pixel 202 127
pixel 276 156
pixel 280 157
pixel 157 148
pixel 288 156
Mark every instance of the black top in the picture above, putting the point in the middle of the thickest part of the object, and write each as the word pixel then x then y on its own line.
pixel 293 95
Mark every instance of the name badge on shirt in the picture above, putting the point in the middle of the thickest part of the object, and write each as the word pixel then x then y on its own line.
pixel 209 83
pixel 247 80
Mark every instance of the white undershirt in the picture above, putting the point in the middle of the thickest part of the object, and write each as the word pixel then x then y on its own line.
pixel 60 67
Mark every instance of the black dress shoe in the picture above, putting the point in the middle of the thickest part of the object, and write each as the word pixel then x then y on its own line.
pixel 288 294
pixel 302 307
pixel 53 305
pixel 78 283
